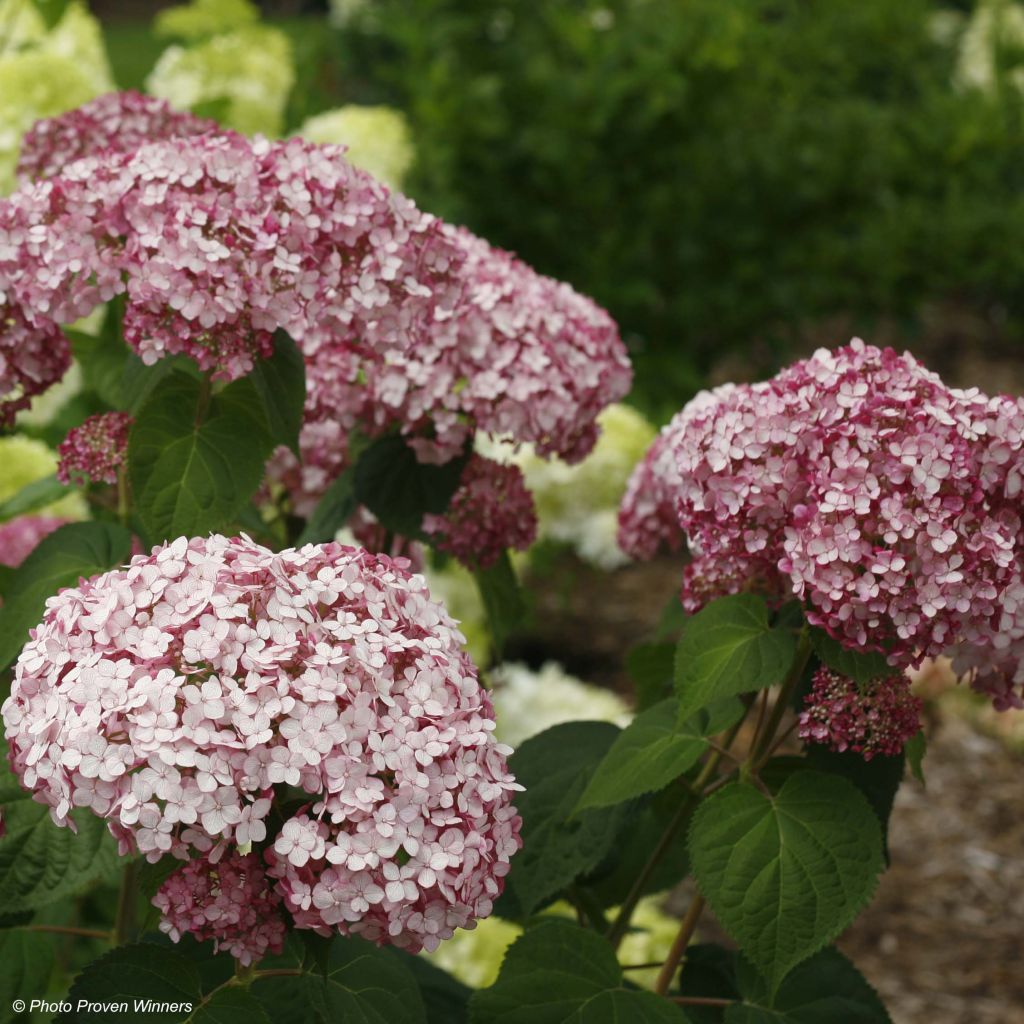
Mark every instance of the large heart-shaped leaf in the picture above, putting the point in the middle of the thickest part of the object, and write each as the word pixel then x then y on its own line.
pixel 786 873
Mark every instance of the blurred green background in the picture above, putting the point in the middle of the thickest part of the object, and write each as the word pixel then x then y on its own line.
pixel 736 180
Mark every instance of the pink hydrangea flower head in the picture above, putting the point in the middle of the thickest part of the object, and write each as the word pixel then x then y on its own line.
pixel 230 901
pixel 96 450
pixel 19 537
pixel 876 718
pixel 491 510
pixel 176 696
pixel 115 122
pixel 859 483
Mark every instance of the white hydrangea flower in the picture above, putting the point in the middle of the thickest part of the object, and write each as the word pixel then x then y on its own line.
pixel 578 505
pixel 241 78
pixel 378 139
pixel 44 72
pixel 995 27
pixel 528 702
pixel 203 18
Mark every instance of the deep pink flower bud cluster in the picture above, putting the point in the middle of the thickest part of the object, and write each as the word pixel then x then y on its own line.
pixel 19 537
pixel 491 510
pixel 32 357
pixel 95 450
pixel 177 696
pixel 858 482
pixel 230 901
pixel 115 122
pixel 878 717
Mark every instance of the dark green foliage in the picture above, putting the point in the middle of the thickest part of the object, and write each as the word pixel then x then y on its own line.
pixel 718 173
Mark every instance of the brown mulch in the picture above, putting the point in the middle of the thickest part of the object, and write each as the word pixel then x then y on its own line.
pixel 943 940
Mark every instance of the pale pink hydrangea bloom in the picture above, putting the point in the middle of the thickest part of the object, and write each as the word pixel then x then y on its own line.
pixel 879 717
pixel 230 901
pixel 19 537
pixel 115 122
pixel 95 450
pixel 491 510
pixel 172 698
pixel 861 484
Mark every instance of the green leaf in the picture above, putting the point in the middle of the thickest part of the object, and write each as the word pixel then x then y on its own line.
pixel 231 1005
pixel 859 666
pixel 729 648
pixel 786 874
pixel 142 971
pixel 641 831
pixel 280 382
pixel 26 961
pixel 650 667
pixel 193 468
pixel 709 972
pixel 915 750
pixel 399 489
pixel 103 358
pixel 365 983
pixel 61 559
pixel 139 380
pixel 648 754
pixel 332 512
pixel 557 973
pixel 41 863
pixel 33 496
pixel 445 998
pixel 878 779
pixel 502 599
pixel 827 989
pixel 554 766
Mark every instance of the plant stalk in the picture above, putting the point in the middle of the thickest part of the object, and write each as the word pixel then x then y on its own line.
pixel 678 950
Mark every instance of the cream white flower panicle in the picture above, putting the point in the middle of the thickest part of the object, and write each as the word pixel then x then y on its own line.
pixel 230 65
pixel 44 71
pixel 376 139
pixel 185 696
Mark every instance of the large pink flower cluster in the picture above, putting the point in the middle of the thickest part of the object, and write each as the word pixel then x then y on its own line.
pixel 229 901
pixel 516 355
pixel 490 511
pixel 216 241
pixel 183 697
pixel 858 482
